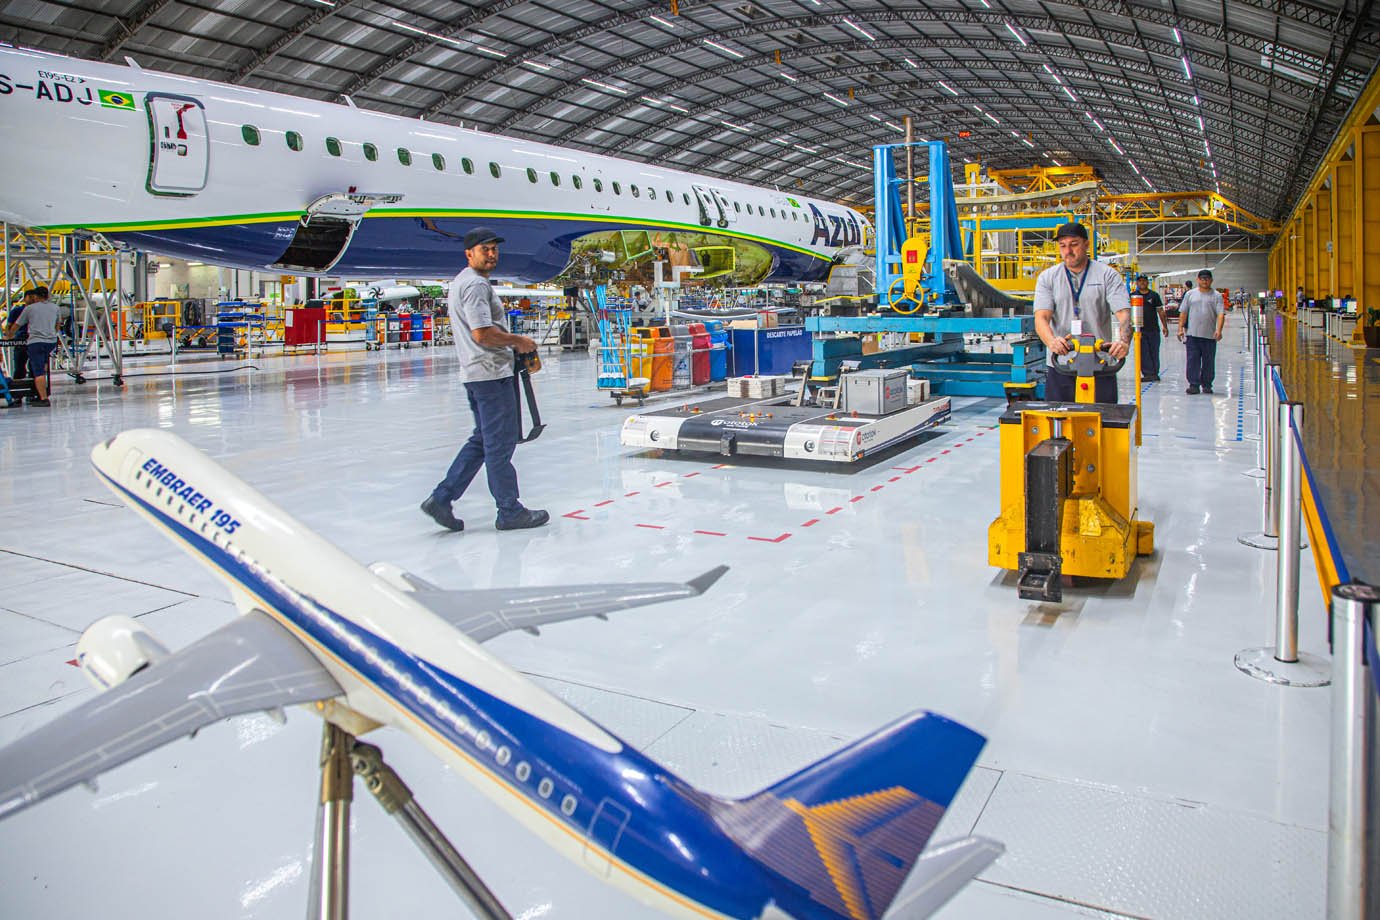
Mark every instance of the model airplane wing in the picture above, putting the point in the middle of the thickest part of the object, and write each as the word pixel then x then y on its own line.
pixel 248 665
pixel 484 614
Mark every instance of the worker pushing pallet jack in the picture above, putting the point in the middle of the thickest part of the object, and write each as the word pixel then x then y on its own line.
pixel 1069 503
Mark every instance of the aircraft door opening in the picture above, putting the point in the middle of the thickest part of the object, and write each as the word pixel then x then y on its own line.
pixel 711 210
pixel 604 830
pixel 180 148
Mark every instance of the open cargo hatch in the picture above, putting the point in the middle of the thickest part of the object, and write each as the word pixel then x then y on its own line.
pixel 325 229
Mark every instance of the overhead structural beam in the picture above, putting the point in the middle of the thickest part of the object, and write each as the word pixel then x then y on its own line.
pixel 302 27
pixel 126 28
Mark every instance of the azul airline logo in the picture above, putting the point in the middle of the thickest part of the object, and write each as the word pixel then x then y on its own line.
pixel 835 229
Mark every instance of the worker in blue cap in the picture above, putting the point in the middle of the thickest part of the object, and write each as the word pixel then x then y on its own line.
pixel 1079 295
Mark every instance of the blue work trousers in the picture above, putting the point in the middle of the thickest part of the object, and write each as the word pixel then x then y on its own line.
pixel 496 432
pixel 1202 360
pixel 1150 351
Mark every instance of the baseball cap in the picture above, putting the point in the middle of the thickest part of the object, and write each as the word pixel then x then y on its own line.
pixel 1204 273
pixel 1071 229
pixel 1142 277
pixel 480 235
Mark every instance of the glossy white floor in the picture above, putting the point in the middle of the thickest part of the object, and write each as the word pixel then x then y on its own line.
pixel 1131 769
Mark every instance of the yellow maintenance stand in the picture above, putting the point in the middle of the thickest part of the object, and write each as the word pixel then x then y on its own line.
pixel 1068 484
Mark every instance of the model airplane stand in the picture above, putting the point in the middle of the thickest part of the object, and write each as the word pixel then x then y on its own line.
pixel 342 758
pixel 1069 500
pixel 856 416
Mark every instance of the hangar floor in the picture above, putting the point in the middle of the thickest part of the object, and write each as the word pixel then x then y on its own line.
pixel 1132 771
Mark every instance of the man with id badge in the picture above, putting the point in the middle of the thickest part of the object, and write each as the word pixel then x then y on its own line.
pixel 1079 296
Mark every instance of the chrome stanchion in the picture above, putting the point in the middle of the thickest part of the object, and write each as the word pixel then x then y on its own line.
pixel 1352 606
pixel 1268 535
pixel 1282 663
pixel 328 895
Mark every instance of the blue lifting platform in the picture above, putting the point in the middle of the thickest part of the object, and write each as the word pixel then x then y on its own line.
pixel 952 364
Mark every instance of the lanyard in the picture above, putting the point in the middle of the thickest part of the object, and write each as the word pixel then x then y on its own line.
pixel 1077 291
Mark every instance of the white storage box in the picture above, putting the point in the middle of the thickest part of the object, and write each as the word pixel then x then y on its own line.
pixel 917 391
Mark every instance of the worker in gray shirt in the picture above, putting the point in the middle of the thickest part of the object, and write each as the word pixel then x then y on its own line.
pixel 1201 317
pixel 40 318
pixel 486 349
pixel 1079 295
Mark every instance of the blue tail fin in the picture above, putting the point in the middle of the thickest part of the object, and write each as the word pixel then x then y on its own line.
pixel 842 834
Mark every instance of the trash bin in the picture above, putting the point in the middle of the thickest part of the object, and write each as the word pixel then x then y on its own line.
pixel 663 358
pixel 699 354
pixel 680 374
pixel 718 354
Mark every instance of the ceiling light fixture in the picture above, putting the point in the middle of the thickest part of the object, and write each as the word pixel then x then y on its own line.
pixel 1010 28
pixel 947 88
pixel 725 49
pixel 860 30
pixel 662 21
pixel 833 98
pixel 612 89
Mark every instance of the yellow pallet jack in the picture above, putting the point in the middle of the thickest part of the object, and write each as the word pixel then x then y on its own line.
pixel 1069 500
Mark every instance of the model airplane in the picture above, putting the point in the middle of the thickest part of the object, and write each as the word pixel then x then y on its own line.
pixel 369 647
pixel 260 180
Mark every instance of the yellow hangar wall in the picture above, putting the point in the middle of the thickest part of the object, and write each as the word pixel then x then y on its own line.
pixel 1330 245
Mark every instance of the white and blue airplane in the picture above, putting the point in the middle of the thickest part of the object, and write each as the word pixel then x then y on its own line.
pixel 259 180
pixel 366 647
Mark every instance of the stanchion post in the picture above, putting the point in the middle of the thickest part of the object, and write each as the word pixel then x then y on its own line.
pixel 1269 409
pixel 1289 496
pixel 1352 606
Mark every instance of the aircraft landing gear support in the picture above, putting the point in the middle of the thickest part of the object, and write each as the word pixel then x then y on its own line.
pixel 342 758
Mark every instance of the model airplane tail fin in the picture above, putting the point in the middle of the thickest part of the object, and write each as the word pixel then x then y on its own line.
pixel 843 834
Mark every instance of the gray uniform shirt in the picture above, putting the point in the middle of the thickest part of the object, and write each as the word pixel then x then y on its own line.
pixel 474 305
pixel 1103 294
pixel 1203 310
pixel 41 319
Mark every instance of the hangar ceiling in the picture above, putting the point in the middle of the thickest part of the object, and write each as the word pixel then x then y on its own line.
pixel 1236 96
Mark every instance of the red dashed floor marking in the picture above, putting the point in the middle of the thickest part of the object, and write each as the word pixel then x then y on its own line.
pixel 666 483
pixel 73 662
pixel 688 475
pixel 943 452
pixel 652 526
pixel 778 539
pixel 711 533
pixel 932 459
pixel 721 466
pixel 577 514
pixel 630 494
pixel 878 488
pixel 894 479
pixel 811 522
pixel 834 510
pixel 607 501
pixel 857 498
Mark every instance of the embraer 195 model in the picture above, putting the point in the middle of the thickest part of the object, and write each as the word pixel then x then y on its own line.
pixel 377 646
pixel 259 180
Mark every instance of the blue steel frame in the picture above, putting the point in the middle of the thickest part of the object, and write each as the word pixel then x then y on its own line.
pixel 946 241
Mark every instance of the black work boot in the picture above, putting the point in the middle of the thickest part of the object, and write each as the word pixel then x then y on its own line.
pixel 521 520
pixel 440 512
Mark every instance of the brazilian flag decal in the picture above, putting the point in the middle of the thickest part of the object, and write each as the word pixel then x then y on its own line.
pixel 116 100
pixel 794 203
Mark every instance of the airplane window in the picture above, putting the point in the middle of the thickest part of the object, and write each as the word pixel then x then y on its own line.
pixel 686 196
pixel 503 756
pixel 333 146
pixel 439 162
pixel 371 153
pixel 568 805
pixel 617 190
pixel 494 170
pixel 523 771
pixel 555 178
pixel 651 193
pixel 294 140
pixel 250 135
pixel 467 165
pixel 575 181
pixel 531 174
pixel 481 740
pixel 545 787
pixel 773 212
pixel 598 185
pixel 795 215
pixel 635 192
pixel 737 207
pixel 404 156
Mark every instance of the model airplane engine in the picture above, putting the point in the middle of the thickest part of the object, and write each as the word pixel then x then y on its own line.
pixel 114 649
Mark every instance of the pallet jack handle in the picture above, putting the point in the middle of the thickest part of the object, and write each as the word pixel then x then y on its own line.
pixel 525 364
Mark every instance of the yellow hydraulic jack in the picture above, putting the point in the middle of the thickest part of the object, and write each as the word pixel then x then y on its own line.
pixel 1068 484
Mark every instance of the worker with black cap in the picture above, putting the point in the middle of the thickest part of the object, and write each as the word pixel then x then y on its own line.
pixel 486 350
pixel 1078 296
pixel 1152 323
pixel 1201 317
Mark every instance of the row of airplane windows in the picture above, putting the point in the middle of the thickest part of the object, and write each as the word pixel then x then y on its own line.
pixel 334 147
pixel 502 754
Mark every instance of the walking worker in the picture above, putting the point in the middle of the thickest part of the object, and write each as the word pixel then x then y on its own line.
pixel 486 350
pixel 1152 324
pixel 40 319
pixel 1076 296
pixel 1201 318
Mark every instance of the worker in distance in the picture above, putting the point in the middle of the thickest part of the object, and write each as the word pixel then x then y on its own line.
pixel 1077 296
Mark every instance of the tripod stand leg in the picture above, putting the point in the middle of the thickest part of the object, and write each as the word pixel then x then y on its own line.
pixel 330 881
pixel 396 798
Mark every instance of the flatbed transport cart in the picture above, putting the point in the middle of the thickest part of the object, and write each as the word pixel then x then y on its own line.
pixel 783 427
